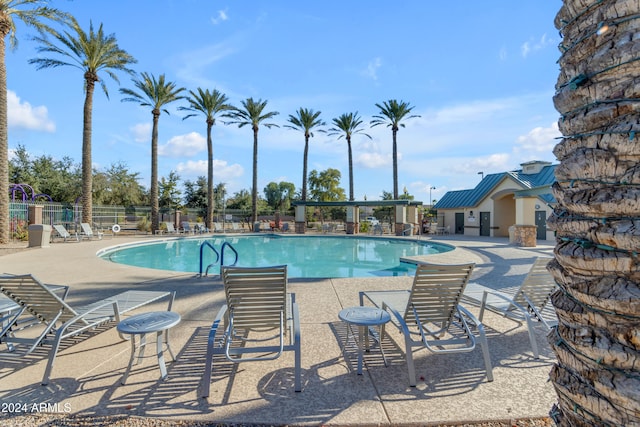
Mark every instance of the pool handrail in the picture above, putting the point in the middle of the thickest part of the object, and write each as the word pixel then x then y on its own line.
pixel 226 244
pixel 219 255
pixel 202 246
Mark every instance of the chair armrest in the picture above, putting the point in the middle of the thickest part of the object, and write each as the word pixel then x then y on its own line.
pixel 501 296
pixel 400 323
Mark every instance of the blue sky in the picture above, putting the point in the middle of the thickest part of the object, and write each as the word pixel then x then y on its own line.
pixel 481 76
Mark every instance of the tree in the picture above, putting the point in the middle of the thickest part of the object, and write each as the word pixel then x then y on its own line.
pixel 209 104
pixel 92 53
pixel 124 188
pixel 252 114
pixel 154 93
pixel 169 195
pixel 195 194
pixel 392 113
pixel 279 195
pixel 596 219
pixel 32 13
pixel 305 120
pixel 346 126
pixel 325 186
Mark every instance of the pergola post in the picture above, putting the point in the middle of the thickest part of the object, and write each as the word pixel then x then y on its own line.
pixel 301 219
pixel 352 219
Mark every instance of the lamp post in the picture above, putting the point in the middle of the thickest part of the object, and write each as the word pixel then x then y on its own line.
pixel 430 199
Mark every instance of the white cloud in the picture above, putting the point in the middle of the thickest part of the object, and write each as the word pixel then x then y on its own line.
pixel 502 54
pixel 222 16
pixel 24 115
pixel 183 145
pixel 372 160
pixel 223 172
pixel 372 68
pixel 538 140
pixel 535 45
pixel 141 132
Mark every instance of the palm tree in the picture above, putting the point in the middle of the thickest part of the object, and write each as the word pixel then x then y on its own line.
pixel 209 104
pixel 92 53
pixel 346 126
pixel 31 13
pixel 155 94
pixel 392 113
pixel 305 120
pixel 252 114
pixel 596 220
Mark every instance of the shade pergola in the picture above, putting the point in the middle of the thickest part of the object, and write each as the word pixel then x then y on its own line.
pixel 352 211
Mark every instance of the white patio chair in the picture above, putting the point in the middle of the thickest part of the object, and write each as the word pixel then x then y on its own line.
pixel 87 231
pixel 62 232
pixel 529 303
pixel 257 303
pixel 431 313
pixel 59 319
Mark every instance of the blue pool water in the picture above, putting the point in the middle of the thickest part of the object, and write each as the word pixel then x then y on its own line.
pixel 306 256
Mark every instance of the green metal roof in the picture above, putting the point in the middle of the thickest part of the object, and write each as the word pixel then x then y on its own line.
pixel 471 198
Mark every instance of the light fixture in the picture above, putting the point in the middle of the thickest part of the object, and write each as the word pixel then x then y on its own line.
pixel 481 175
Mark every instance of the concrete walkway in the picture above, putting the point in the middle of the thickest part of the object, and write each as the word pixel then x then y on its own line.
pixel 451 388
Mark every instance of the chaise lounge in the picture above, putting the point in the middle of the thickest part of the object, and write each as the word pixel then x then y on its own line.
pixel 59 320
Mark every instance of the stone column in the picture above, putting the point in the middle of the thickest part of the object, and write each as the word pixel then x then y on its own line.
pixel 300 219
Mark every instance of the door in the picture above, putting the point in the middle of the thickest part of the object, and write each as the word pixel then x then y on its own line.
pixel 485 223
pixel 459 223
pixel 541 225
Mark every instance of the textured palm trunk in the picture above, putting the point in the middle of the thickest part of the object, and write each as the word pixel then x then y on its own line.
pixel 304 167
pixel 395 163
pixel 350 170
pixel 4 136
pixel 155 205
pixel 87 164
pixel 254 190
pixel 210 200
pixel 597 220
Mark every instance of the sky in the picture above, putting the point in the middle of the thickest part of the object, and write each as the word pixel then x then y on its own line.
pixel 480 76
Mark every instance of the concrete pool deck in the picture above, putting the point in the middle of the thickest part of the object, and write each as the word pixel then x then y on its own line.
pixel 452 388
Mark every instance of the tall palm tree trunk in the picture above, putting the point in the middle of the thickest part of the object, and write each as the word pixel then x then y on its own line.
pixel 597 221
pixel 304 168
pixel 155 204
pixel 350 170
pixel 87 164
pixel 210 199
pixel 395 163
pixel 254 190
pixel 4 138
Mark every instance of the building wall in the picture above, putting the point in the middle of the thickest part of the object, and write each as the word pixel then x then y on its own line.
pixel 503 209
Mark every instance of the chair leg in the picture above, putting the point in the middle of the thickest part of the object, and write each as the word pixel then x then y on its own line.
pixel 485 352
pixel 532 337
pixel 410 366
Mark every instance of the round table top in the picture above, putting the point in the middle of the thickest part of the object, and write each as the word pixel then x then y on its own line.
pixel 152 321
pixel 364 316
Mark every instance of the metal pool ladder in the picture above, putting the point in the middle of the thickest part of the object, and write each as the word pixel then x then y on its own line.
pixel 219 255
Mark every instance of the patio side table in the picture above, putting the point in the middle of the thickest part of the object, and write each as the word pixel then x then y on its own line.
pixel 158 322
pixel 364 318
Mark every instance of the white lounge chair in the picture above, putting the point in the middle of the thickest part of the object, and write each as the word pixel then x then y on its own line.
pixel 87 231
pixel 257 302
pixel 186 228
pixel 431 310
pixel 217 228
pixel 528 303
pixel 59 319
pixel 62 232
pixel 236 227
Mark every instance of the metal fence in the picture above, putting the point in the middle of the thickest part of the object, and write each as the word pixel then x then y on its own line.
pixel 129 218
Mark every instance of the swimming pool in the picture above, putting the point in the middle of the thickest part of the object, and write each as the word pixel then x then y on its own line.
pixel 306 256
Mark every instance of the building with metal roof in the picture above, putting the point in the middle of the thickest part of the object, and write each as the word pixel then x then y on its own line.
pixel 502 202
